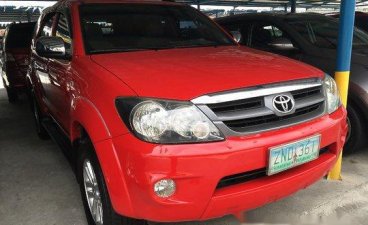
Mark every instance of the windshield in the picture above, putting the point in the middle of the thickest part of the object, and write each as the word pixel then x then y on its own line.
pixel 324 33
pixel 134 27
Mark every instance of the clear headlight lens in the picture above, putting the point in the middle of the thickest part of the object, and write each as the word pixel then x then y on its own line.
pixel 167 122
pixel 149 119
pixel 332 94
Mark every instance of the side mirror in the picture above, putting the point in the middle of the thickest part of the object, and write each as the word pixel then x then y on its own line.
pixel 236 35
pixel 282 44
pixel 51 47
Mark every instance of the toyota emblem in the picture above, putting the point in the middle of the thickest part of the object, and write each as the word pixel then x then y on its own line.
pixel 283 104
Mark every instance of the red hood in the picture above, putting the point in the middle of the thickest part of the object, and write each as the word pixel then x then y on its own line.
pixel 185 74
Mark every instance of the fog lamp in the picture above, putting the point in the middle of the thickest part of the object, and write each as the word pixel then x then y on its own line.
pixel 165 188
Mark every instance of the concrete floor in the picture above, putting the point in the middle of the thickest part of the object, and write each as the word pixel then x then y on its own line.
pixel 37 185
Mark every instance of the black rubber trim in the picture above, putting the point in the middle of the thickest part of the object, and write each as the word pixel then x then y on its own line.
pixel 249 176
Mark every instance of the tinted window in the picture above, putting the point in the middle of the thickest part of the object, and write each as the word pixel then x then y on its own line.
pixel 132 27
pixel 324 33
pixel 263 34
pixel 62 31
pixel 20 35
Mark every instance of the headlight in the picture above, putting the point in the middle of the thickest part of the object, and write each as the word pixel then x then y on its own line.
pixel 167 122
pixel 332 94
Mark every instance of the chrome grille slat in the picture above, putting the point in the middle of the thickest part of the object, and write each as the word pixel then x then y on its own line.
pixel 257 92
pixel 249 110
pixel 305 92
pixel 243 114
pixel 237 105
pixel 239 123
pixel 305 102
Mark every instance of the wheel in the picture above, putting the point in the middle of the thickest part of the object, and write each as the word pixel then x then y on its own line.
pixel 37 116
pixel 96 200
pixel 355 130
pixel 12 94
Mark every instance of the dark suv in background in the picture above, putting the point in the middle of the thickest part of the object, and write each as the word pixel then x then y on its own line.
pixel 15 57
pixel 310 38
pixel 361 20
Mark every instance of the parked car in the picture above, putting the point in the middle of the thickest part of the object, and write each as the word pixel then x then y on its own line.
pixel 310 38
pixel 15 57
pixel 147 98
pixel 361 20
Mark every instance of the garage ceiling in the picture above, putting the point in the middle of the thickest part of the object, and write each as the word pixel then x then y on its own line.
pixel 23 14
pixel 274 3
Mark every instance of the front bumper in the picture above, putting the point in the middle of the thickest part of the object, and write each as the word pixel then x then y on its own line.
pixel 198 168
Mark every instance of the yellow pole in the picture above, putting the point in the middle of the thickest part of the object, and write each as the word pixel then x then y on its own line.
pixel 342 81
pixel 344 49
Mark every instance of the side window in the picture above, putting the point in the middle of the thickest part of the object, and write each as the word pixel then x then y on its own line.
pixel 264 34
pixel 46 30
pixel 63 31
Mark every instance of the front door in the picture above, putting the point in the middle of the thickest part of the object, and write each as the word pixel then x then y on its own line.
pixel 60 76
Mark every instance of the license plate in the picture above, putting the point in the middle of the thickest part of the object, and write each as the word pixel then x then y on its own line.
pixel 290 155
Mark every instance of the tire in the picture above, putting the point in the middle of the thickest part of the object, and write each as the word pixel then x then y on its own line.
pixel 12 94
pixel 355 130
pixel 95 183
pixel 37 116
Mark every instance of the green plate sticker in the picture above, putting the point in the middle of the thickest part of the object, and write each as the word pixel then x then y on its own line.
pixel 290 155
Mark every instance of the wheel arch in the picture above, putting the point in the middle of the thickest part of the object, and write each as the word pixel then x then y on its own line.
pixel 358 98
pixel 84 114
pixel 88 125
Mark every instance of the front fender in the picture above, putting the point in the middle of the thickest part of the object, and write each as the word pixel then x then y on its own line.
pixel 114 177
pixel 84 113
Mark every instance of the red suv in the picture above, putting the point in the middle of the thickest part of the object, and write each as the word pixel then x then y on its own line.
pixel 15 57
pixel 165 118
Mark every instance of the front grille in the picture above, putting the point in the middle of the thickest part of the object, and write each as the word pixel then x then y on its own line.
pixel 300 94
pixel 240 125
pixel 251 175
pixel 251 110
pixel 237 105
